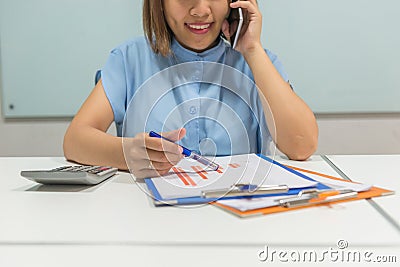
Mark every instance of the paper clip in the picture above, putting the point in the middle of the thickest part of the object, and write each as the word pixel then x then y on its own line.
pixel 245 190
pixel 314 197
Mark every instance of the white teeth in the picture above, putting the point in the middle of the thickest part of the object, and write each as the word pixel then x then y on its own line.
pixel 199 27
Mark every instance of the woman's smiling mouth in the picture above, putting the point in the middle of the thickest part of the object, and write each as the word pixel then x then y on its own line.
pixel 199 28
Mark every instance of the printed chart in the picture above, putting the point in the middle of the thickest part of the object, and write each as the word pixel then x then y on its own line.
pixel 190 179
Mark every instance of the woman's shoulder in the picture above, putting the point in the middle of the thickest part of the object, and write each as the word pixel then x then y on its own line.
pixel 138 44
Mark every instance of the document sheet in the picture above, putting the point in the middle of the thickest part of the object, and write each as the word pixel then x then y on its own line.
pixel 189 178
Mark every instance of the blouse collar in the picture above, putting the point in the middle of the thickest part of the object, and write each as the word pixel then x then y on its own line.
pixel 184 55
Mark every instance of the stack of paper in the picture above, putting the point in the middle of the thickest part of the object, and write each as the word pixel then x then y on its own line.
pixel 245 204
pixel 189 179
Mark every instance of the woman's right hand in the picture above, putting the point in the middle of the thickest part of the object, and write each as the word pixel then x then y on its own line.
pixel 151 156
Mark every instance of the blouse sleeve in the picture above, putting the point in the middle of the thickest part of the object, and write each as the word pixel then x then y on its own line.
pixel 115 85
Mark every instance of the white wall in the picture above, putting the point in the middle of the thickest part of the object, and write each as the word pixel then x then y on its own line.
pixel 339 134
pixel 359 134
pixel 33 137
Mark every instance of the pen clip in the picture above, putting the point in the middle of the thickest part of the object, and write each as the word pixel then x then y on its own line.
pixel 314 197
pixel 241 190
pixel 210 165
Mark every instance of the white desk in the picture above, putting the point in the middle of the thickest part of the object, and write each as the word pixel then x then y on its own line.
pixel 379 170
pixel 116 216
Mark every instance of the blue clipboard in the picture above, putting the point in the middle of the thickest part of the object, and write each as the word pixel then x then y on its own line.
pixel 159 201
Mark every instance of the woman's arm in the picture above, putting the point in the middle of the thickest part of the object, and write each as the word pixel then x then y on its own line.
pixel 296 130
pixel 86 140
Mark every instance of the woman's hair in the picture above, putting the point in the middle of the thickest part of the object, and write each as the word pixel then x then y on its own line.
pixel 155 27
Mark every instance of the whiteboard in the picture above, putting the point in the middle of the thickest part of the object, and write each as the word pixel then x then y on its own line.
pixel 342 56
pixel 51 49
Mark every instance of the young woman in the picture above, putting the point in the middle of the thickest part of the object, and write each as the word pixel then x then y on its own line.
pixel 179 32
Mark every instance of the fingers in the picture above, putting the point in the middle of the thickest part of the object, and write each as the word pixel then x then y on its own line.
pixel 249 6
pixel 151 156
pixel 146 168
pixel 164 154
pixel 146 165
pixel 252 23
pixel 161 145
pixel 175 135
pixel 164 157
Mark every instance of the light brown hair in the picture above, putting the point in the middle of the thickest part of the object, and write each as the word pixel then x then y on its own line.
pixel 155 27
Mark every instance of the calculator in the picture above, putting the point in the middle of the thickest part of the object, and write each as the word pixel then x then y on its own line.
pixel 71 175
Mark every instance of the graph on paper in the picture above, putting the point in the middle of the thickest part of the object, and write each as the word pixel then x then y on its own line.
pixel 198 174
pixel 189 178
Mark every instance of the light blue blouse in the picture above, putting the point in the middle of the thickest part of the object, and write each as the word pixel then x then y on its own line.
pixel 212 94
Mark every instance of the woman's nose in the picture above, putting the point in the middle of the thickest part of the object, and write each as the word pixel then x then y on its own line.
pixel 200 8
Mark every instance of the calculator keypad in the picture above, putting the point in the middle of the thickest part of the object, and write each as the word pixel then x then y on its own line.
pixel 77 174
pixel 84 168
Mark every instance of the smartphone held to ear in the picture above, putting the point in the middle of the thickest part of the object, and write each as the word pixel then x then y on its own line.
pixel 239 28
pixel 236 15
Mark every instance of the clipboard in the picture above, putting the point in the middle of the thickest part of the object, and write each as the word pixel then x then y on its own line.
pixel 372 192
pixel 159 201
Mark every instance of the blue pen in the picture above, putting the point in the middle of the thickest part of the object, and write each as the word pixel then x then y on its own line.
pixel 190 154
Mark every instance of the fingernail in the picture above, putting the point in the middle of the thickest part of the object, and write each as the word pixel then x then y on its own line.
pixel 180 149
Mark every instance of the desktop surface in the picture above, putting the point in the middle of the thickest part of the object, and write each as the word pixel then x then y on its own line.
pixel 117 213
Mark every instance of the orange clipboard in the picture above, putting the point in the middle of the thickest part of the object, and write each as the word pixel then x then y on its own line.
pixel 372 192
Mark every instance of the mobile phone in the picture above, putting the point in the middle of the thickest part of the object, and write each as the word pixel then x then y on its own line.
pixel 236 15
